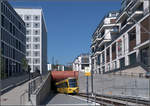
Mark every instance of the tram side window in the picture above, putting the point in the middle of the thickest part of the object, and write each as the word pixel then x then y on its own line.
pixel 72 83
pixel 58 86
pixel 64 85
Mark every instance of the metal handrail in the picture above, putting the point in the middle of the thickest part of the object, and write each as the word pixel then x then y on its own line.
pixel 22 97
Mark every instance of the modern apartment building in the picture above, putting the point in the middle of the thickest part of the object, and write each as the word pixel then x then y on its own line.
pixel 125 40
pixel 81 62
pixel 36 38
pixel 12 40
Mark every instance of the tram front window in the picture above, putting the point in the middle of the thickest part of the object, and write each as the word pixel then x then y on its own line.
pixel 72 83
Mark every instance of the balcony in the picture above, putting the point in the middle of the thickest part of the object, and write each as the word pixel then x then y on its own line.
pixel 111 15
pixel 135 12
pixel 98 38
pixel 136 3
pixel 98 52
pixel 128 5
pixel 121 15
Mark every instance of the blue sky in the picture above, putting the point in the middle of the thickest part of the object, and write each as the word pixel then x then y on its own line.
pixel 70 25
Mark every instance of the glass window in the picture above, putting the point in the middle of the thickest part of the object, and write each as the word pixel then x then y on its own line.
pixel 11 27
pixel 36 46
pixel 28 39
pixel 36 32
pixel 36 25
pixel 36 60
pixel 72 83
pixel 36 53
pixel 27 17
pixel 36 17
pixel 28 53
pixel 36 39
pixel 28 32
pixel 28 24
pixel 29 60
pixel 28 46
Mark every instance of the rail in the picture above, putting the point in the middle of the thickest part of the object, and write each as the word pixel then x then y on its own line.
pixel 22 98
pixel 116 100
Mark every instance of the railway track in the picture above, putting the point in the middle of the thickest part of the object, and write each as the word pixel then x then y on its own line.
pixel 106 100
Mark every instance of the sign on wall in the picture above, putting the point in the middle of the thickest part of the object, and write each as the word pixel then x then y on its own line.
pixel 87 71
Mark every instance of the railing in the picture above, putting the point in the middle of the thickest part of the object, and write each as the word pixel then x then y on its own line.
pixel 23 98
pixel 146 11
pixel 133 11
pixel 34 84
pixel 124 9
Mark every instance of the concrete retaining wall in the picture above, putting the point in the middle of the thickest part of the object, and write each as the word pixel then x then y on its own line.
pixel 42 92
pixel 117 85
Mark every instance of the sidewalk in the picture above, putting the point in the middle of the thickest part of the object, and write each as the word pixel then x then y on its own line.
pixel 12 97
pixel 14 80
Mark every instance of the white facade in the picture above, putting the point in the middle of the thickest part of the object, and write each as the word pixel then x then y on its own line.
pixel 128 45
pixel 36 38
pixel 49 67
pixel 81 62
pixel 61 68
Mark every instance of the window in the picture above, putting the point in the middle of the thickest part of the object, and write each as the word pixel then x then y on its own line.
pixel 28 46
pixel 2 21
pixel 28 39
pixel 36 25
pixel 103 58
pixel 28 53
pixel 36 60
pixel 36 39
pixel 98 59
pixel 36 46
pixel 29 60
pixel 36 17
pixel 72 83
pixel 14 30
pixel 27 17
pixel 28 24
pixel 36 32
pixel 28 32
pixel 10 27
pixel 36 53
pixel 120 47
pixel 113 14
pixel 85 60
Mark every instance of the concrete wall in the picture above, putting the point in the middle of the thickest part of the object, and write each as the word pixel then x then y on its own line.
pixel 43 92
pixel 116 85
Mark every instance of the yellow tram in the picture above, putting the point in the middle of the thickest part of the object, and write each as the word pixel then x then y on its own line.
pixel 69 86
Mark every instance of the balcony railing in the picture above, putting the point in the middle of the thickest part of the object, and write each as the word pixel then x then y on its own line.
pixel 127 5
pixel 134 10
pixel 146 11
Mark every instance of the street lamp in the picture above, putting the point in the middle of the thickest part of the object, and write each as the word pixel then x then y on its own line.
pixel 91 77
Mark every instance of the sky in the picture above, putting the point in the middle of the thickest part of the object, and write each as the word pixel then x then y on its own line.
pixel 70 25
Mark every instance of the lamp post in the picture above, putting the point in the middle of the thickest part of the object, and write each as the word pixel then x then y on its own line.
pixel 29 93
pixel 91 77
